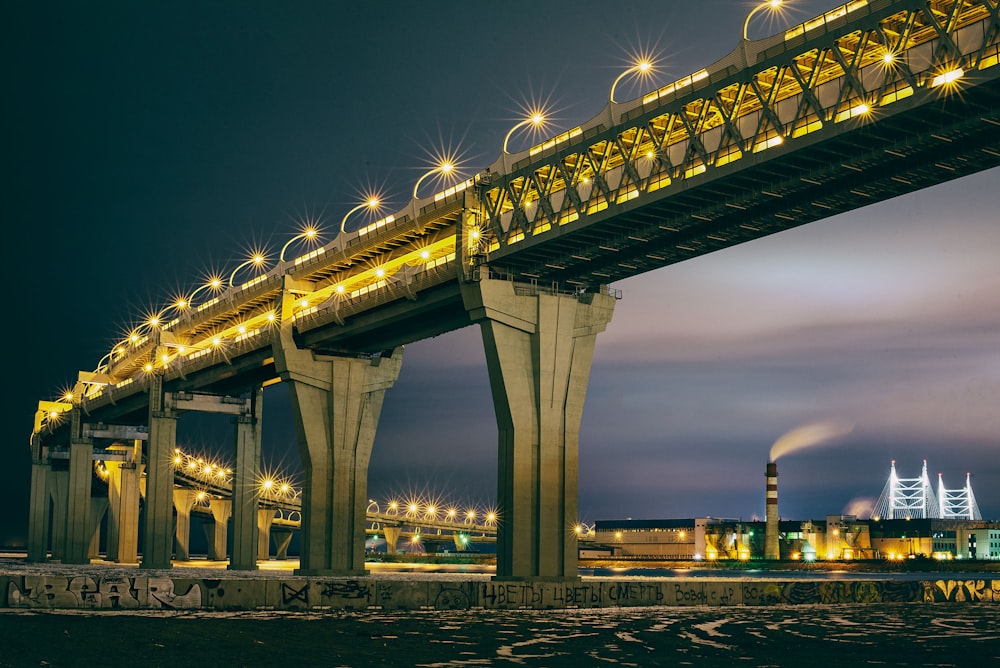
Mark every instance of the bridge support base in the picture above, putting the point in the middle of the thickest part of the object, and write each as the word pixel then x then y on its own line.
pixel 81 473
pixel 158 525
pixel 265 517
pixel 184 500
pixel 124 479
pixel 539 349
pixel 391 538
pixel 336 402
pixel 38 511
pixel 245 487
pixel 282 538
pixel 218 532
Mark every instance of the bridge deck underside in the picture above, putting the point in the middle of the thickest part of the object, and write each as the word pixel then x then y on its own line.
pixel 832 174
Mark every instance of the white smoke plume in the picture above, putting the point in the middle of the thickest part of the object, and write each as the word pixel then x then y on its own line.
pixel 860 507
pixel 808 436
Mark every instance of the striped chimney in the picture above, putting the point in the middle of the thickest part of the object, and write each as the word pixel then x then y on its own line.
pixel 771 549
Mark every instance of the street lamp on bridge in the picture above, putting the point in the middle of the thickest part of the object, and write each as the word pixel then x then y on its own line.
pixel 773 5
pixel 214 283
pixel 372 203
pixel 536 120
pixel 642 67
pixel 308 233
pixel 256 260
pixel 444 168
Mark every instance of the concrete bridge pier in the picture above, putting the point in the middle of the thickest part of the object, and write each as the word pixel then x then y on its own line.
pixel 81 474
pixel 38 504
pixel 245 486
pixel 539 349
pixel 184 500
pixel 336 403
pixel 124 482
pixel 265 517
pixel 58 490
pixel 98 507
pixel 336 420
pixel 282 537
pixel 218 532
pixel 391 538
pixel 158 517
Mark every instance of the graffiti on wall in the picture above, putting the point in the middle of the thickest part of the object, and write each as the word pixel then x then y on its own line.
pixel 124 593
pixel 962 591
pixel 111 593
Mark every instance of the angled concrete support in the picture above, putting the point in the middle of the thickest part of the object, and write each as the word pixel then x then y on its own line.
pixel 124 482
pixel 222 510
pixel 265 516
pixel 158 524
pixel 246 486
pixel 539 349
pixel 336 402
pixel 184 500
pixel 391 539
pixel 282 538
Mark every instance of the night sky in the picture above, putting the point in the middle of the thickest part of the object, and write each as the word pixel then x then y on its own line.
pixel 151 143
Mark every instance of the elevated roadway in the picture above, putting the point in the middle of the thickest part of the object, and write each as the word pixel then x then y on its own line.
pixel 874 99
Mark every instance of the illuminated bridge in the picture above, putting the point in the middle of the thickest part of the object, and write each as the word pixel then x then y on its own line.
pixel 203 487
pixel 869 101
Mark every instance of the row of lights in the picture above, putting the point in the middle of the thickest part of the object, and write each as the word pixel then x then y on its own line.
pixel 310 233
pixel 431 511
pixel 446 167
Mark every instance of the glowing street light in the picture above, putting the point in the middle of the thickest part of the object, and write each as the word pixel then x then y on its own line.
pixel 309 233
pixel 773 5
pixel 372 203
pixel 214 284
pixel 257 259
pixel 536 119
pixel 642 67
pixel 445 167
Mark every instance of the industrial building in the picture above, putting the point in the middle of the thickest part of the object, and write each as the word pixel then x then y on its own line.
pixel 912 521
pixel 838 537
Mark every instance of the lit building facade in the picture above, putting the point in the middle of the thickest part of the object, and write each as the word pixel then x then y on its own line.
pixel 838 537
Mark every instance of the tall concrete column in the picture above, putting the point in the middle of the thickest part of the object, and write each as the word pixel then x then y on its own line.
pixel 265 516
pixel 124 478
pixel 184 500
pixel 539 349
pixel 336 403
pixel 245 487
pixel 158 521
pixel 98 507
pixel 222 510
pixel 38 504
pixel 391 539
pixel 58 480
pixel 81 475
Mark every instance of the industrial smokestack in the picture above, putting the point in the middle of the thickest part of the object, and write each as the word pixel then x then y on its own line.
pixel 771 549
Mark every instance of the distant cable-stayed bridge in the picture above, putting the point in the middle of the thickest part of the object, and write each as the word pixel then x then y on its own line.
pixel 869 101
pixel 914 498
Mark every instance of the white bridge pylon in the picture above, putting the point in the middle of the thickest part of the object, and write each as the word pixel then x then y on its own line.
pixel 914 498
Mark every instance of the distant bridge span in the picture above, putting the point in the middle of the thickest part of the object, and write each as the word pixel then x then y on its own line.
pixel 871 100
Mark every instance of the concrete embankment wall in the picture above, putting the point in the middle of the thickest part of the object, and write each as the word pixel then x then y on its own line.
pixel 120 592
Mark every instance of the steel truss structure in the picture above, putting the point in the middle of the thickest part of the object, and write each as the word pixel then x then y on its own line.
pixel 641 186
pixel 914 498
